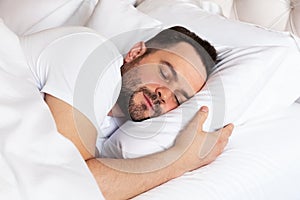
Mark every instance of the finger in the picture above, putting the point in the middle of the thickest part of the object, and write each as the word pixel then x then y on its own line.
pixel 212 139
pixel 194 127
pixel 209 143
pixel 227 130
pixel 202 116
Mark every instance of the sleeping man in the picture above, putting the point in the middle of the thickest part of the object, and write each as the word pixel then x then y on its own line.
pixel 157 76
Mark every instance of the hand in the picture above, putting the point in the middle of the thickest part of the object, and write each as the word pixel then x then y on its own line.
pixel 200 148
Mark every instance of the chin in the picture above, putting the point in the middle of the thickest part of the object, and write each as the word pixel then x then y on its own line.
pixel 139 119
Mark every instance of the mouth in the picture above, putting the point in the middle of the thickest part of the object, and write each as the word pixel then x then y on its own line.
pixel 148 101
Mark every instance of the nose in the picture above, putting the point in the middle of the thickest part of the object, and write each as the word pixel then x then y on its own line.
pixel 164 94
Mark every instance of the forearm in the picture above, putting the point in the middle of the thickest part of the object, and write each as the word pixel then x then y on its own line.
pixel 122 179
pixel 126 178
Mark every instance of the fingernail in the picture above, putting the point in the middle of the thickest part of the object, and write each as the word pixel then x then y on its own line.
pixel 204 109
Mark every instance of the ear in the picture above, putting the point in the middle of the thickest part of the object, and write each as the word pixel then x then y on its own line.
pixel 137 50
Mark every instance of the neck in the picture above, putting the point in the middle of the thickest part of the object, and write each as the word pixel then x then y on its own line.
pixel 116 112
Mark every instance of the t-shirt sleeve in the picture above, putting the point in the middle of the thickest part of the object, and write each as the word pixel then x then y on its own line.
pixel 78 66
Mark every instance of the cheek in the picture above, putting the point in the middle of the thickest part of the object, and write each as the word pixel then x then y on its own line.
pixel 150 75
pixel 138 97
pixel 153 82
pixel 170 105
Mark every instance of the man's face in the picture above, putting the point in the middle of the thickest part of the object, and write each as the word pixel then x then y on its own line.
pixel 159 82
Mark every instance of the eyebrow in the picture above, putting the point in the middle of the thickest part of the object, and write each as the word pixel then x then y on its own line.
pixel 174 73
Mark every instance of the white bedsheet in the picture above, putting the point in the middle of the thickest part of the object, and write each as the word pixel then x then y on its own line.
pixel 261 161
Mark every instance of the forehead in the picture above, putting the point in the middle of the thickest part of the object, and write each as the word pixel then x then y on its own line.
pixel 186 62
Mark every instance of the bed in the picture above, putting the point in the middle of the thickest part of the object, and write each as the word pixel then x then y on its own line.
pixel 262 159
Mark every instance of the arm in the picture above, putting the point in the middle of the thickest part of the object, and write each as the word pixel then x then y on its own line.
pixel 125 178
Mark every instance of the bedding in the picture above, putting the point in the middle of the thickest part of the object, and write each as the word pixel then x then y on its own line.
pixel 244 86
pixel 31 16
pixel 125 25
pixel 260 162
pixel 271 14
pixel 36 161
pixel 252 166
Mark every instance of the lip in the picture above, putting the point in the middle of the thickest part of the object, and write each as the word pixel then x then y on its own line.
pixel 148 101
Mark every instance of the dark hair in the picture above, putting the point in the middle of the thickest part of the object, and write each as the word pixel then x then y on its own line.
pixel 172 36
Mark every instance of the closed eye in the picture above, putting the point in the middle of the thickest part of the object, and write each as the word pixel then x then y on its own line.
pixel 181 96
pixel 167 71
pixel 165 74
pixel 176 99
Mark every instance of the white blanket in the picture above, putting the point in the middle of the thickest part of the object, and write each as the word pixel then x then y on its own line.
pixel 36 162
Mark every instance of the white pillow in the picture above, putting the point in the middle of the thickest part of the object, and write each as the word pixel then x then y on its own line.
pixel 258 74
pixel 30 16
pixel 121 22
pixel 218 30
pixel 245 86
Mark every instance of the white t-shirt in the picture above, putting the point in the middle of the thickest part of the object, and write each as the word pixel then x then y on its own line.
pixel 78 66
pixel 108 127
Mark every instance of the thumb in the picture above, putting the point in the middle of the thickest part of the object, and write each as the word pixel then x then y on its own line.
pixel 201 116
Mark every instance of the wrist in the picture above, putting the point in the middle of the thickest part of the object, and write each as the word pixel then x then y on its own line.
pixel 178 166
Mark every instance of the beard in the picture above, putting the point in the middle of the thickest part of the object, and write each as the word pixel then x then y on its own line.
pixel 137 111
pixel 131 109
